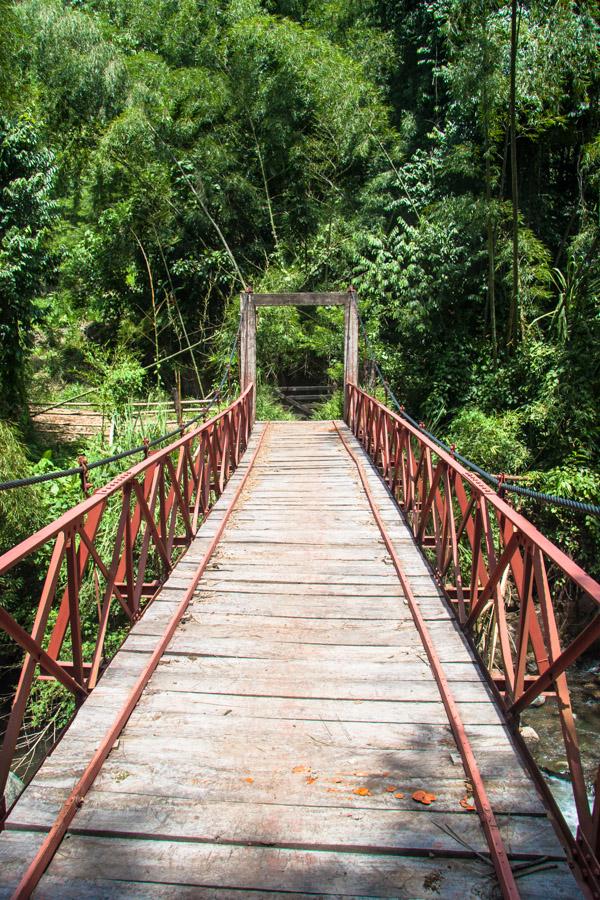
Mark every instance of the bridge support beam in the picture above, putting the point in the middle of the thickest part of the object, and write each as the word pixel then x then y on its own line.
pixel 350 346
pixel 248 305
pixel 248 345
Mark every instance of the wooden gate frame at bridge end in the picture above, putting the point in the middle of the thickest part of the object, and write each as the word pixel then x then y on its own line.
pixel 249 301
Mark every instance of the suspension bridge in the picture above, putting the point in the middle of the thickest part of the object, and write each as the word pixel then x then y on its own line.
pixel 333 629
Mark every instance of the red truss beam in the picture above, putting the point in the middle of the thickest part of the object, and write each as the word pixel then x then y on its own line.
pixel 500 575
pixel 160 503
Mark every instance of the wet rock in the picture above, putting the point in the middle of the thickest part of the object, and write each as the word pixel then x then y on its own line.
pixel 529 734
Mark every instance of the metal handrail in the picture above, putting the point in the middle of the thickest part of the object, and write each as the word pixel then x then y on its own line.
pixel 162 500
pixel 494 567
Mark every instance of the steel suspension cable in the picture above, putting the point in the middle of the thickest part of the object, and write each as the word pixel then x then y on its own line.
pixel 214 397
pixel 499 483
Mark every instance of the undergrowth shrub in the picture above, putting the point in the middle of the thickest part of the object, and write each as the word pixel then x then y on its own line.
pixel 492 441
pixel 268 406
pixel 332 408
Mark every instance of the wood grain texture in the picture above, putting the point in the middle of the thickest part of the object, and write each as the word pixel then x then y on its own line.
pixel 220 866
pixel 301 299
pixel 277 746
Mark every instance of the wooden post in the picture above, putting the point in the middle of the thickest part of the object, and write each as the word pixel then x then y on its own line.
pixel 350 345
pixel 177 399
pixel 248 345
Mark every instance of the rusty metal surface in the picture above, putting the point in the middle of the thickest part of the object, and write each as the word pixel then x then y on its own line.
pixel 499 573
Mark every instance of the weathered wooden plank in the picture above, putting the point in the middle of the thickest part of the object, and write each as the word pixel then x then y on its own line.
pixel 226 781
pixel 248 346
pixel 172 705
pixel 325 606
pixel 309 709
pixel 300 565
pixel 297 646
pixel 212 625
pixel 230 682
pixel 290 569
pixel 316 298
pixel 386 672
pixel 292 733
pixel 272 520
pixel 269 494
pixel 275 539
pixel 304 589
pixel 64 889
pixel 239 551
pixel 350 346
pixel 316 872
pixel 327 461
pixel 249 822
pixel 337 478
pixel 291 740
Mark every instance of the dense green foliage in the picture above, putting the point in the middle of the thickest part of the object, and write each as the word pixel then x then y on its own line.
pixel 156 156
pixel 26 181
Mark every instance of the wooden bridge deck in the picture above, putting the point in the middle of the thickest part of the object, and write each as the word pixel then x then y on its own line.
pixel 277 746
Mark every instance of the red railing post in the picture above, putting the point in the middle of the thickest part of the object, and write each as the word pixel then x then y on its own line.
pixel 74 618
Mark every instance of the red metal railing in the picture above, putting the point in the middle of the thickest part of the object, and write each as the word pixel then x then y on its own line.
pixel 116 547
pixel 497 570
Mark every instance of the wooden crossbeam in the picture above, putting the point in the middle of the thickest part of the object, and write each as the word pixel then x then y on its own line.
pixel 302 299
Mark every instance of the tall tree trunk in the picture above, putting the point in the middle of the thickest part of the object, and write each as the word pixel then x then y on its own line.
pixel 490 225
pixel 514 300
pixel 154 310
pixel 491 249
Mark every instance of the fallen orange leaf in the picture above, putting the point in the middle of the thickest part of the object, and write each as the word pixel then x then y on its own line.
pixel 390 789
pixel 362 792
pixel 466 804
pixel 424 797
pixel 399 796
pixel 298 769
pixel 311 779
pixel 249 780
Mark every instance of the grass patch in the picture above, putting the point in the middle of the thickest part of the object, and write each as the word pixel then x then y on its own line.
pixel 333 408
pixel 269 408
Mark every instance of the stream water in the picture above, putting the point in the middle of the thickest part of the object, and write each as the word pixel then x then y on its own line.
pixel 549 752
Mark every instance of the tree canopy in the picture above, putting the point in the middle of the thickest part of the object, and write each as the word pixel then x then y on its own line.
pixel 443 156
